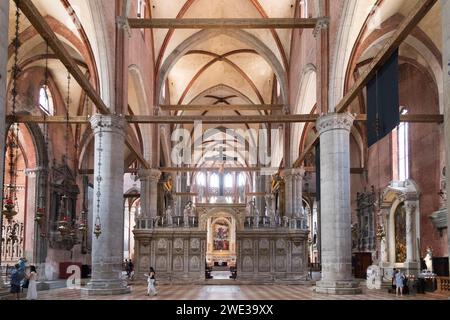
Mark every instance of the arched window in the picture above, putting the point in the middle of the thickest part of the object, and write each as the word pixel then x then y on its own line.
pixel 403 149
pixel 304 10
pixel 46 100
pixel 214 181
pixel 141 9
pixel 228 181
pixel 241 180
pixel 201 179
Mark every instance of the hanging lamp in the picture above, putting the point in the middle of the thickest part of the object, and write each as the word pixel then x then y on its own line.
pixel 10 201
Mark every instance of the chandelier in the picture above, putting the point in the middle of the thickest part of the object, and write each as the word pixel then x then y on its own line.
pixel 10 201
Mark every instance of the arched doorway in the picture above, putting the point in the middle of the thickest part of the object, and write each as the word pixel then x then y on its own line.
pixel 221 245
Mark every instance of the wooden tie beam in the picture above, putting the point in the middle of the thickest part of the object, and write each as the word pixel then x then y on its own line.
pixel 42 27
pixel 231 107
pixel 136 119
pixel 268 23
pixel 216 169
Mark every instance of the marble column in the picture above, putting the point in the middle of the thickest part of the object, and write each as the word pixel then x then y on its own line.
pixel 149 194
pixel 4 20
pixel 410 209
pixel 297 195
pixel 445 11
pixel 293 195
pixel 288 183
pixel 384 255
pixel 107 249
pixel 336 232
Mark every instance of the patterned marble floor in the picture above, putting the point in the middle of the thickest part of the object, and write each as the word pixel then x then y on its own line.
pixel 232 292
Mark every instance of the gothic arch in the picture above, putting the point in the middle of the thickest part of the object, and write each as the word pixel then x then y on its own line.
pixel 204 35
pixel 304 98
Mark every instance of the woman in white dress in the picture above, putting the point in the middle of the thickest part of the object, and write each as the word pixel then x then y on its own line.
pixel 32 289
pixel 151 280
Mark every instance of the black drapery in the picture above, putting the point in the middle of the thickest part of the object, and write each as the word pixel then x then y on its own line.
pixel 383 111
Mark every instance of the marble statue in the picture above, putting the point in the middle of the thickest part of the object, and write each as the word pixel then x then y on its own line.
pixel 189 211
pixel 250 210
pixel 429 260
pixel 169 216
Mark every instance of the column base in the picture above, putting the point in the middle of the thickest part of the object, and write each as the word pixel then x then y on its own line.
pixel 42 286
pixel 338 287
pixel 106 288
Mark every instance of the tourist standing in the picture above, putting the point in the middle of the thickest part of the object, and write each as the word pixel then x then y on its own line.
pixel 399 282
pixel 16 278
pixel 32 288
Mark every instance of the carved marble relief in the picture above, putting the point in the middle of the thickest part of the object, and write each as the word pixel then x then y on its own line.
pixel 194 264
pixel 161 263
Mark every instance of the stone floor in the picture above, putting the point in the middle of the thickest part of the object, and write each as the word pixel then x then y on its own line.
pixel 231 292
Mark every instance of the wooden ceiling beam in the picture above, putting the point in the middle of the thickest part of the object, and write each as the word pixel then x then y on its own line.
pixel 246 23
pixel 231 107
pixel 299 118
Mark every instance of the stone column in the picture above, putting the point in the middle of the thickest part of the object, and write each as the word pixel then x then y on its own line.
pixel 4 20
pixel 384 255
pixel 107 249
pixel 288 180
pixel 410 208
pixel 149 193
pixel 445 11
pixel 336 232
pixel 297 196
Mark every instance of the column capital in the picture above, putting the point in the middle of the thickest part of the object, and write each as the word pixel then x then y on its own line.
pixel 108 123
pixel 152 174
pixel 35 171
pixel 294 172
pixel 335 121
pixel 410 206
pixel 322 23
pixel 122 24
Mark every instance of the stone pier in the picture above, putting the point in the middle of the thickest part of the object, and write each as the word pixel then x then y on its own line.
pixel 107 249
pixel 335 204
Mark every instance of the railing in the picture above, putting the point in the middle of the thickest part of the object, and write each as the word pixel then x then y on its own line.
pixel 5 272
pixel 162 222
pixel 275 222
pixel 443 284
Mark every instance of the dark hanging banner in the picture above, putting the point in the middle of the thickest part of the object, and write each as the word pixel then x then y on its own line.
pixel 318 171
pixel 383 107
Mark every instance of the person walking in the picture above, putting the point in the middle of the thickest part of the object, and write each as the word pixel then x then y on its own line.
pixel 32 285
pixel 151 281
pixel 130 270
pixel 399 282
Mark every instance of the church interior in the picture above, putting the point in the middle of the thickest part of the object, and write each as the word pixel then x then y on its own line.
pixel 242 149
